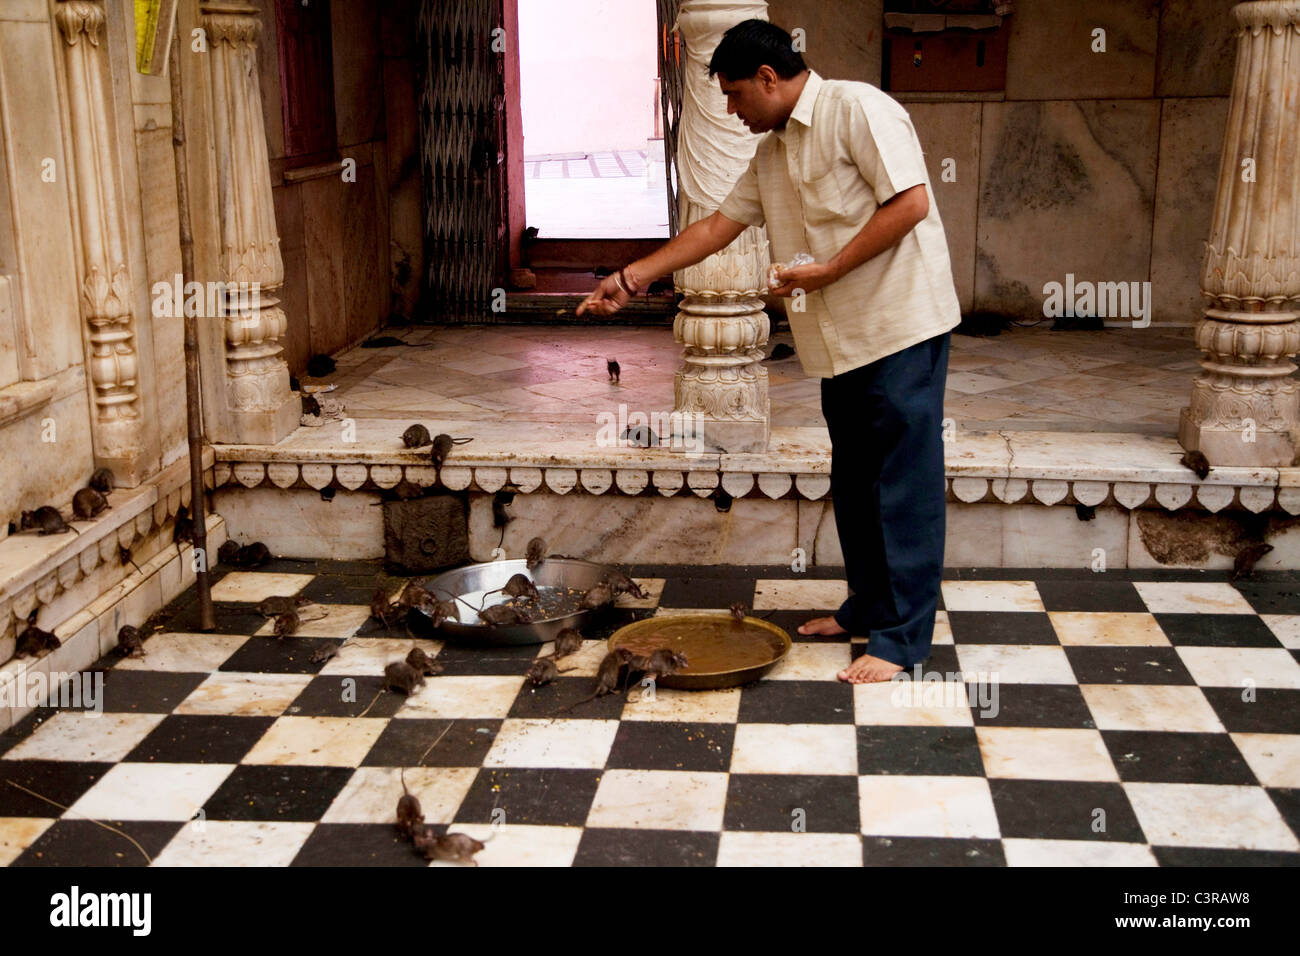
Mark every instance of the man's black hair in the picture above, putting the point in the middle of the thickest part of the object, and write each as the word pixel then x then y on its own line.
pixel 754 43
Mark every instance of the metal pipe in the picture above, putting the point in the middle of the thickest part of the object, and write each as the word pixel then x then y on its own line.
pixel 194 413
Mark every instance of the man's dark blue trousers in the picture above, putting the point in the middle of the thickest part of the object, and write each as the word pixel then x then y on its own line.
pixel 887 485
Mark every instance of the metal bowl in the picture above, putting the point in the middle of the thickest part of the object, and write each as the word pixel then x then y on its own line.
pixel 476 578
pixel 764 639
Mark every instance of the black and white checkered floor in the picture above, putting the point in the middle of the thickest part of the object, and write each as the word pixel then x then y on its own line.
pixel 1124 718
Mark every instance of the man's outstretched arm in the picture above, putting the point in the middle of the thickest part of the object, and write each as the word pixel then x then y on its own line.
pixel 697 241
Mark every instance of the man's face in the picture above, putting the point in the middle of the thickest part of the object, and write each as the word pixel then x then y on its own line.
pixel 755 100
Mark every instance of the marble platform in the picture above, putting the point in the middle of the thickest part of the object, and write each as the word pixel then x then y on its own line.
pixel 1060 444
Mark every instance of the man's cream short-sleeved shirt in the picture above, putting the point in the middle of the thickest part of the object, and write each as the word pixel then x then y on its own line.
pixel 848 148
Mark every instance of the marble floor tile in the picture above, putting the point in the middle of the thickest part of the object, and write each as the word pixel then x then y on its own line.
pixel 517 844
pixel 1178 597
pixel 235 843
pixel 812 661
pixel 316 742
pixel 813 595
pixel 688 706
pixel 18 833
pixel 1286 627
pixel 244 694
pixel 1273 758
pixel 920 806
pixel 1241 666
pixel 1015 664
pixel 192 653
pixel 258 585
pixel 368 656
pixel 912 704
pixel 1076 853
pixel 142 791
pixel 340 620
pixel 1102 628
pixel 991 596
pixel 573 744
pixel 789 849
pixel 1209 815
pixel 1045 753
pixel 371 793
pixel 85 736
pixel 795 748
pixel 458 697
pixel 653 588
pixel 1150 707
pixel 659 800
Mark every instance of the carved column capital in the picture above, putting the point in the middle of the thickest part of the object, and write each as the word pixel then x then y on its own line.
pixel 80 18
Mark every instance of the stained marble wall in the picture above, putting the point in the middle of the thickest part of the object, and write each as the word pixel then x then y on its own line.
pixel 1098 164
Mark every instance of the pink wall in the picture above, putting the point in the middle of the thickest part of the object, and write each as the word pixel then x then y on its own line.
pixel 587 71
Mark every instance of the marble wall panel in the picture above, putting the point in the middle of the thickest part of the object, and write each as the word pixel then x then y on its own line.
pixel 297 523
pixel 323 227
pixel 842 40
pixel 365 255
pixel 1191 141
pixel 1065 187
pixel 1197 48
pixel 951 131
pixel 1050 57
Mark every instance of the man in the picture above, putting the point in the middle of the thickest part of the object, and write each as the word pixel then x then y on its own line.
pixel 840 174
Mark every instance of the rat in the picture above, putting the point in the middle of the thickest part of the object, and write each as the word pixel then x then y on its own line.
pixel 597 596
pixel 544 671
pixel 780 352
pixel 535 553
pixel 409 813
pixel 642 436
pixel 444 611
pixel 103 481
pixel 567 642
pixel 1196 461
pixel 34 640
pixel 253 555
pixel 620 583
pixel 399 675
pixel 278 604
pixel 1244 564
pixel 606 679
pixel 520 586
pixel 423 663
pixel 129 642
pixel 87 503
pixel 417 436
pixel 665 662
pixel 47 519
pixel 451 847
pixel 381 608
pixel 285 624
pixel 310 405
pixel 184 528
pixel 124 557
pixel 739 611
pixel 442 448
pixel 323 654
pixel 636 663
pixel 612 367
pixel 414 596
pixel 502 614
pixel 228 551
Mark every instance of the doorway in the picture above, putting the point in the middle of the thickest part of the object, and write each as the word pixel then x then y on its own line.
pixel 592 133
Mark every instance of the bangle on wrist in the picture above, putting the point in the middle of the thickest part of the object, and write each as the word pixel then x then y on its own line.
pixel 618 281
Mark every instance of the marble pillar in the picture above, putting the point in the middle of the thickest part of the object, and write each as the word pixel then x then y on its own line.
pixel 262 409
pixel 106 289
pixel 721 322
pixel 1245 407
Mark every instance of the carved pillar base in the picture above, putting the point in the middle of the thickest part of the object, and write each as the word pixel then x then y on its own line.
pixel 722 380
pixel 1245 407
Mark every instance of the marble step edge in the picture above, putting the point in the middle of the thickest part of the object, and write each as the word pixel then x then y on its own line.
pixel 92 632
pixel 34 569
pixel 966 488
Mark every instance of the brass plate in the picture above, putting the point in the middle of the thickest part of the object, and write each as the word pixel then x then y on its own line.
pixel 721 651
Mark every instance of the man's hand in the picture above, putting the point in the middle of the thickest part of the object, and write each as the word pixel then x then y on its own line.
pixel 809 278
pixel 608 298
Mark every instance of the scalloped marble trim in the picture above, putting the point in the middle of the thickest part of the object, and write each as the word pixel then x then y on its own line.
pixel 563 480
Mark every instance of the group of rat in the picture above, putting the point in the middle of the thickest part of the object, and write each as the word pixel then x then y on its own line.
pixel 87 503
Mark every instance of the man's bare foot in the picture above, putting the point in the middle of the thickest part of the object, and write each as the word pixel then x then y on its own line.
pixel 867 669
pixel 821 625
